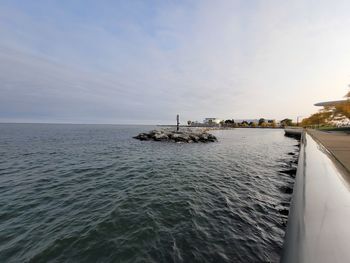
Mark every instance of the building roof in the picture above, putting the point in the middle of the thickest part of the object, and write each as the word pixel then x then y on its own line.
pixel 329 103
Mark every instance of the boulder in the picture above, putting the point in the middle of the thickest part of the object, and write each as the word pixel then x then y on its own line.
pixel 160 137
pixel 175 136
pixel 194 137
pixel 142 137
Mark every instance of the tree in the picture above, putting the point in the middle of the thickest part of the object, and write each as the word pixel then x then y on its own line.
pixel 286 122
pixel 320 118
pixel 343 108
pixel 338 111
pixel 261 121
pixel 347 95
pixel 273 124
pixel 328 114
pixel 263 125
pixel 229 121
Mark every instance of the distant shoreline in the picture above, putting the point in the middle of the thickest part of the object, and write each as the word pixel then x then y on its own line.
pixel 219 128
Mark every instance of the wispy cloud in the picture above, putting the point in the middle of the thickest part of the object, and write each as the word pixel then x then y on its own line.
pixel 132 62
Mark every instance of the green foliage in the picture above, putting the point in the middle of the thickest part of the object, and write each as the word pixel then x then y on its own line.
pixel 320 118
pixel 328 114
pixel 286 122
pixel 229 121
pixel 261 121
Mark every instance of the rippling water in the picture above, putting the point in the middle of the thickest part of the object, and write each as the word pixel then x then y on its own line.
pixel 91 193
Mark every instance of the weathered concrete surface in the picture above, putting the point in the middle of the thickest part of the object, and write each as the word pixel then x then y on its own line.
pixel 318 227
pixel 338 143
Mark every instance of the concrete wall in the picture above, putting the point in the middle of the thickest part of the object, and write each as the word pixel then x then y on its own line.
pixel 319 220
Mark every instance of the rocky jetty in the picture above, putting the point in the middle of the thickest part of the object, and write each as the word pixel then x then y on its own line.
pixel 176 136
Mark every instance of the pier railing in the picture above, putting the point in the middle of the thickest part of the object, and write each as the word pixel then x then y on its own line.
pixel 318 227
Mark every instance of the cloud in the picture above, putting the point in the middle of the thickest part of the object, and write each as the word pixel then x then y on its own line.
pixel 131 62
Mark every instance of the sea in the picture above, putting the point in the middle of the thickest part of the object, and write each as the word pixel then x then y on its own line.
pixel 92 193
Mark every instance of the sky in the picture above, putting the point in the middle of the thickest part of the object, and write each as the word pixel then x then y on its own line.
pixel 143 62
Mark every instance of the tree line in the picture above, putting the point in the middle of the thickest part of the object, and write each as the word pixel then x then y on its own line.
pixel 261 123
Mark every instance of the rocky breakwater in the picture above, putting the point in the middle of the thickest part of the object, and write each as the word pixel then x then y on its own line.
pixel 176 136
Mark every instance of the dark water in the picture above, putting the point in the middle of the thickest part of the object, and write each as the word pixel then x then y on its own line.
pixel 91 193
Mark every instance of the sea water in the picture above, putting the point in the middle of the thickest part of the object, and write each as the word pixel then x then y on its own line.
pixel 91 193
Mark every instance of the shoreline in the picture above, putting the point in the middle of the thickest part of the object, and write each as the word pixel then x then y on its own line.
pixel 217 127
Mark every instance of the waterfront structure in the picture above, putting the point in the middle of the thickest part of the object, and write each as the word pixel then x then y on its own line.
pixel 317 229
pixel 293 131
pixel 330 103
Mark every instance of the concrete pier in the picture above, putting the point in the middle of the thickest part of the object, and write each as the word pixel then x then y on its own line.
pixel 318 227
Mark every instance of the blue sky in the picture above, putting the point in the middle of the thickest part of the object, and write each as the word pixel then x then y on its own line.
pixel 146 61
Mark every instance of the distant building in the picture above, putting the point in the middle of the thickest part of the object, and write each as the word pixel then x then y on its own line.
pixel 212 121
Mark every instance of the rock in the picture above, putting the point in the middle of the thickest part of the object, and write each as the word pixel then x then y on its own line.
pixel 184 138
pixel 160 137
pixel 286 190
pixel 203 137
pixel 153 132
pixel 292 172
pixel 284 212
pixel 211 138
pixel 194 137
pixel 142 137
pixel 174 136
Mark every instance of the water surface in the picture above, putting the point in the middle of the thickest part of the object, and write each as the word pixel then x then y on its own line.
pixel 91 193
